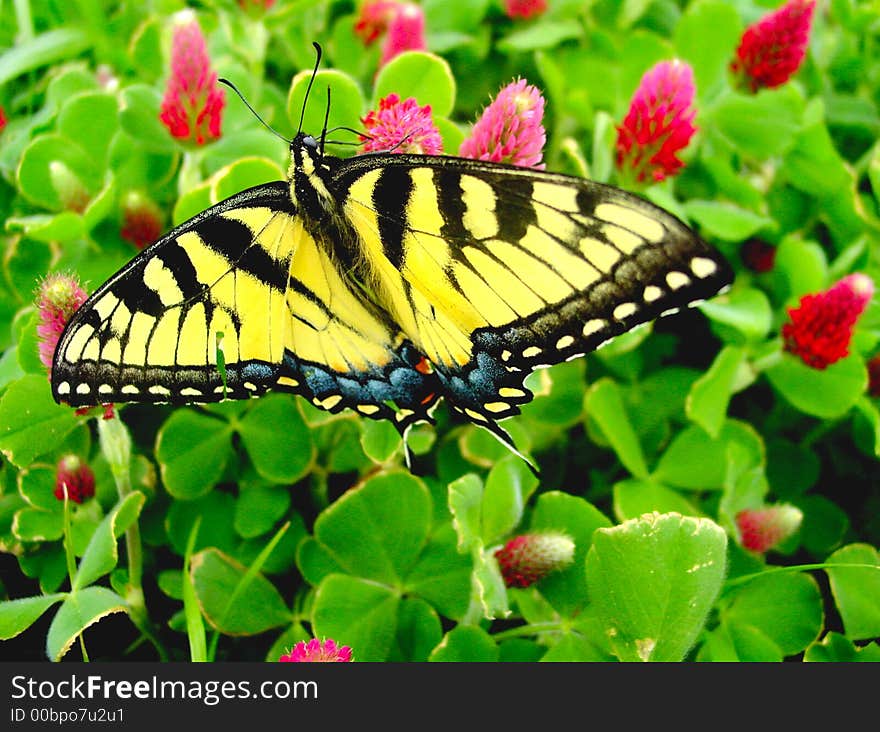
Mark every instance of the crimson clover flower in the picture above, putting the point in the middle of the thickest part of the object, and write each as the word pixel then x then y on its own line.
pixel 510 130
pixel 2 119
pixel 659 123
pixel 772 50
pixel 406 32
pixel 193 102
pixel 527 558
pixel 326 651
pixel 401 127
pixel 74 479
pixel 758 255
pixel 141 219
pixel 524 8
pixel 765 528
pixel 374 19
pixel 59 296
pixel 403 25
pixel 820 328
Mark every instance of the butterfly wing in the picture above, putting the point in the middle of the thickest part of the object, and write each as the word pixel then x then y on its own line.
pixel 493 270
pixel 344 351
pixel 213 285
pixel 214 310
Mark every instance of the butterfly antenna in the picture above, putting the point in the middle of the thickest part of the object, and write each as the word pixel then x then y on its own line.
pixel 247 104
pixel 347 129
pixel 302 113
pixel 326 120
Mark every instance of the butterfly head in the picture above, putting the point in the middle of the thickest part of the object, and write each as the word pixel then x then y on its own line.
pixel 309 175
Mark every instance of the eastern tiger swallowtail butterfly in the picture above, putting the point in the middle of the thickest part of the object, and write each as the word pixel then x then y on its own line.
pixel 381 283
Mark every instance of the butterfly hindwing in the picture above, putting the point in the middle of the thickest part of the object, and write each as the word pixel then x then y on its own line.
pixel 342 350
pixel 493 270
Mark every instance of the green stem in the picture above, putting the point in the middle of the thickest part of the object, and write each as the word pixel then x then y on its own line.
pixel 116 447
pixel 527 630
pixel 746 578
pixel 71 562
pixel 190 171
pixel 819 431
pixel 762 363
pixel 24 21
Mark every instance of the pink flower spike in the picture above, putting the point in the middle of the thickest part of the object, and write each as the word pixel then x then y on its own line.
pixel 58 298
pixel 527 558
pixel 74 480
pixel 406 32
pixel 820 328
pixel 401 127
pixel 763 529
pixel 659 123
pixel 317 651
pixel 524 8
pixel 192 105
pixel 773 49
pixel 374 19
pixel 510 130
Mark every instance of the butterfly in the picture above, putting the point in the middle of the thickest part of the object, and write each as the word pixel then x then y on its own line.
pixel 382 283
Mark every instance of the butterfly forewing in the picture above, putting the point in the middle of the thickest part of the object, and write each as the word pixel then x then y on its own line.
pixel 238 300
pixel 493 270
pixel 212 286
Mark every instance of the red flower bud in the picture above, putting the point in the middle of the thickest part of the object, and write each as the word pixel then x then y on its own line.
pixel 74 479
pixel 524 8
pixel 762 529
pixel 527 558
pixel 758 256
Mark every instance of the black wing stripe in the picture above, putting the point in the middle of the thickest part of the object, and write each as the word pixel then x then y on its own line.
pixel 391 195
pixel 235 241
pixel 177 261
pixel 451 205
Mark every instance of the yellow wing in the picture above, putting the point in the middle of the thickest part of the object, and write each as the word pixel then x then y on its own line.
pixel 215 284
pixel 493 270
pixel 242 284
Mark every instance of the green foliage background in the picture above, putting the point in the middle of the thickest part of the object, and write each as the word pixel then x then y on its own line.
pixel 229 532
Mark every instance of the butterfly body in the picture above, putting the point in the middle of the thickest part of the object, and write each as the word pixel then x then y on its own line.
pixel 382 283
